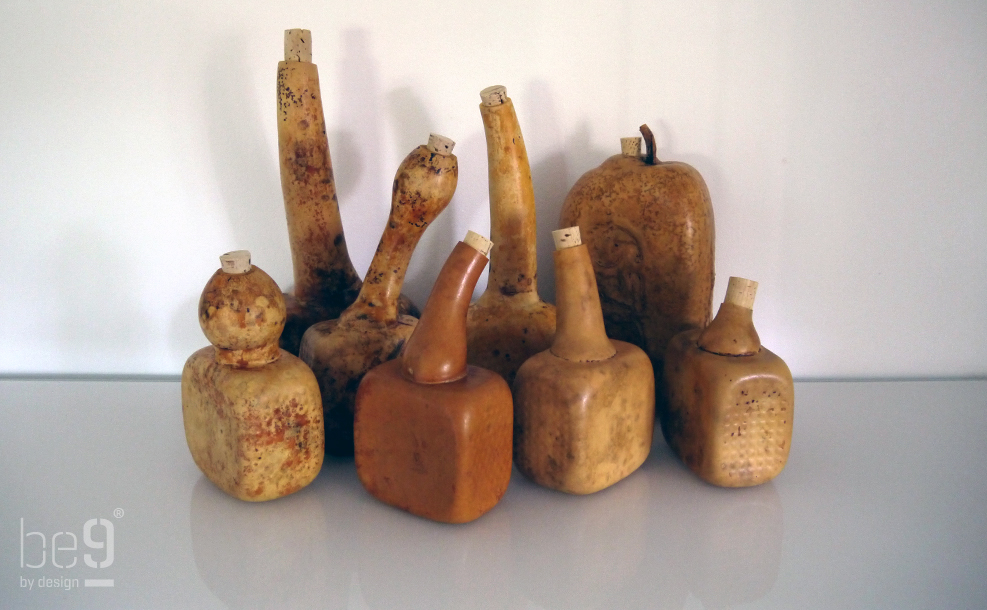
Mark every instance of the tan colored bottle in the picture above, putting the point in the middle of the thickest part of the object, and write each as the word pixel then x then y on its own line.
pixel 325 280
pixel 649 227
pixel 433 435
pixel 372 330
pixel 584 408
pixel 509 322
pixel 730 400
pixel 252 411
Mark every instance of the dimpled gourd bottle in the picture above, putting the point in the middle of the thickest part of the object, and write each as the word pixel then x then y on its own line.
pixel 372 330
pixel 509 322
pixel 252 411
pixel 730 401
pixel 584 409
pixel 325 281
pixel 433 434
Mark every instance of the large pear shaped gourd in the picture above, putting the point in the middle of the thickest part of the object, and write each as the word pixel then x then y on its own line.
pixel 649 226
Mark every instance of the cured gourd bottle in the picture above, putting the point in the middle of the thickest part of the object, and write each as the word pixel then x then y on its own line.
pixel 649 227
pixel 730 400
pixel 433 434
pixel 325 280
pixel 252 411
pixel 509 322
pixel 584 409
pixel 372 330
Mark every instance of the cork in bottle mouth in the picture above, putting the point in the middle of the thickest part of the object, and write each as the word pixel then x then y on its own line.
pixel 440 144
pixel 741 292
pixel 567 238
pixel 478 242
pixel 298 45
pixel 236 262
pixel 630 147
pixel 494 95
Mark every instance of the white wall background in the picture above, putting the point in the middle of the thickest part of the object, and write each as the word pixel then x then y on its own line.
pixel 844 144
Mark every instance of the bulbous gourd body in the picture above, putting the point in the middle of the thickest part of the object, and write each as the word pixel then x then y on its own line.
pixel 371 330
pixel 325 280
pixel 509 322
pixel 252 412
pixel 584 409
pixel 649 227
pixel 433 434
pixel 730 401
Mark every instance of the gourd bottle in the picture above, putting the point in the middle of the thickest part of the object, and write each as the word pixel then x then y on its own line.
pixel 325 280
pixel 433 434
pixel 372 330
pixel 509 322
pixel 730 400
pixel 584 409
pixel 649 227
pixel 252 411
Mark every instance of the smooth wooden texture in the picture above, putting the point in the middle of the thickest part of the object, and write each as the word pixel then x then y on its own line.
pixel 325 280
pixel 509 322
pixel 584 409
pixel 252 412
pixel 433 435
pixel 651 238
pixel 729 413
pixel 372 330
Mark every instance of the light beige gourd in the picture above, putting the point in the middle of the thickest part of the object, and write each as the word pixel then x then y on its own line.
pixel 372 330
pixel 509 322
pixel 583 409
pixel 252 412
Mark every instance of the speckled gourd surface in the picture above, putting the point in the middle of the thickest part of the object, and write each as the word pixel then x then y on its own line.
pixel 372 330
pixel 325 280
pixel 649 227
pixel 509 322
pixel 584 408
pixel 252 412
pixel 730 407
pixel 433 434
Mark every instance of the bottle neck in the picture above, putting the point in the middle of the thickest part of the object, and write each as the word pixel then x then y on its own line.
pixel 513 261
pixel 731 333
pixel 580 335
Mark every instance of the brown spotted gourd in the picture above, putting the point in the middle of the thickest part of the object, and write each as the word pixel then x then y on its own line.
pixel 372 330
pixel 325 280
pixel 584 409
pixel 509 322
pixel 252 411
pixel 730 402
pixel 649 227
pixel 433 434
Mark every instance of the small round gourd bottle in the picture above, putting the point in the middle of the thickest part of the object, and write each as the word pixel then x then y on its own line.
pixel 433 434
pixel 584 408
pixel 730 400
pixel 252 411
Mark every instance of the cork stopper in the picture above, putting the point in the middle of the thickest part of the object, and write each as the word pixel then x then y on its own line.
pixel 478 242
pixel 440 144
pixel 567 238
pixel 630 147
pixel 298 45
pixel 741 292
pixel 494 95
pixel 236 262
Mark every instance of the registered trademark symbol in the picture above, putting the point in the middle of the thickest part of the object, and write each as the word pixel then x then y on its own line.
pixel 118 513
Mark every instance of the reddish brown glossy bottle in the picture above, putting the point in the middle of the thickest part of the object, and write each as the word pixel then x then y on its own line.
pixel 433 434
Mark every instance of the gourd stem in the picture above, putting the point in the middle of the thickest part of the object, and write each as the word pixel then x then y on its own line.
pixel 649 141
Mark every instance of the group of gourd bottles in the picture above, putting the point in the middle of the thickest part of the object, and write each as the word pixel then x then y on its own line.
pixel 436 406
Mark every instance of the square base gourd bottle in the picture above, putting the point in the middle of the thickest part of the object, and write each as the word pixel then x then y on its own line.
pixel 730 400
pixel 432 435
pixel 252 411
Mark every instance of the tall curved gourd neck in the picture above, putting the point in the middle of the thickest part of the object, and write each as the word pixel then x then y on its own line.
pixel 436 351
pixel 423 186
pixel 319 256
pixel 580 335
pixel 513 261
